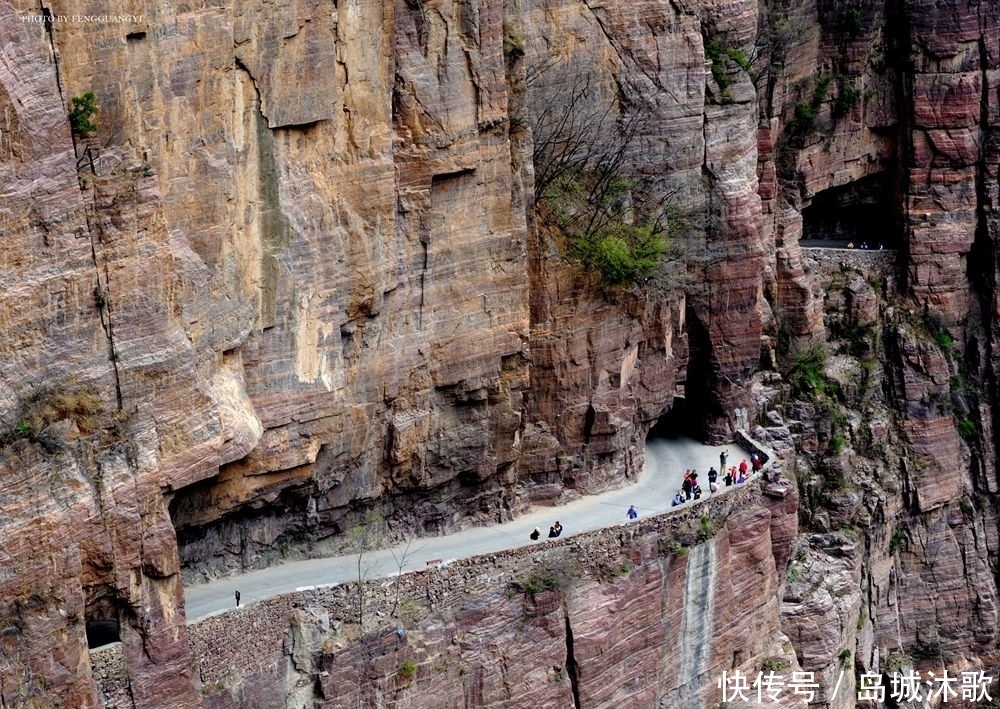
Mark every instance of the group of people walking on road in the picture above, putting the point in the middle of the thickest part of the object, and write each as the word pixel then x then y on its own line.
pixel 556 529
pixel 690 487
pixel 734 475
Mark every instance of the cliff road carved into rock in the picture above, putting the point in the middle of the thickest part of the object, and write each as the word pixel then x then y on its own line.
pixel 275 275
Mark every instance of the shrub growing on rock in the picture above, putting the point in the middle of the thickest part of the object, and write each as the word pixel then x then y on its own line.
pixel 81 115
pixel 606 219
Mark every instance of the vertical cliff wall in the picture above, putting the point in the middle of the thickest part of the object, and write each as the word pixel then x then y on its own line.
pixel 251 299
pixel 898 452
pixel 296 274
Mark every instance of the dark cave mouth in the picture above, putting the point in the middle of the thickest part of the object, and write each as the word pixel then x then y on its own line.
pixel 102 632
pixel 859 214
pixel 105 612
pixel 677 422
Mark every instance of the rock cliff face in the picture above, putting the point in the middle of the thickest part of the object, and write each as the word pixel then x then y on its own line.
pixel 296 274
pixel 905 461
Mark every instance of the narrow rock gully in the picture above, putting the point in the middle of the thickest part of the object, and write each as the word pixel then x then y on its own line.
pixel 659 481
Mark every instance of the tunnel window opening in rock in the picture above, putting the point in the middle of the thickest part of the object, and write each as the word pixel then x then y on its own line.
pixel 860 214
pixel 103 614
pixel 102 632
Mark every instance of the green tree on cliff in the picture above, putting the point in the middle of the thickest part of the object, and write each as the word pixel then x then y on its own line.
pixel 81 115
pixel 613 223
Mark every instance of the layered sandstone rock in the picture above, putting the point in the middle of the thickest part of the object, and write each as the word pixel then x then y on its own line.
pixel 685 131
pixel 293 275
pixel 265 282
pixel 951 170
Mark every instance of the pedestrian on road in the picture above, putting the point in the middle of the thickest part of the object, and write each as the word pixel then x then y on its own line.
pixel 237 599
pixel 535 534
pixel 632 512
pixel 723 457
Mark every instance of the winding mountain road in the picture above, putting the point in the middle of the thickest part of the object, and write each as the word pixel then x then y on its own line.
pixel 661 477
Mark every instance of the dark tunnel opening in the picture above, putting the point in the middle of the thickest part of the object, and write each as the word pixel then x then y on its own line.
pixel 860 214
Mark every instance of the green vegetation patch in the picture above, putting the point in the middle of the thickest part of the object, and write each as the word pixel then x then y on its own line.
pixel 611 242
pixel 672 547
pixel 81 115
pixel 848 96
pixel 806 375
pixel 968 430
pixel 804 119
pixel 407 670
pixel 775 664
pixel 622 255
pixel 717 53
pixel 851 22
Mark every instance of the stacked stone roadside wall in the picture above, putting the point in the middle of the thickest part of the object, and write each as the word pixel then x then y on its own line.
pixel 769 467
pixel 107 664
pixel 256 638
pixel 882 264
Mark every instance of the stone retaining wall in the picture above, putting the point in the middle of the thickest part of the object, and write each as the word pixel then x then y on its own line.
pixel 878 263
pixel 107 664
pixel 767 455
pixel 260 639
pixel 251 638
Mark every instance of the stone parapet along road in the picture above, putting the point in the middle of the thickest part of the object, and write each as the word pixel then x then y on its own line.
pixel 659 481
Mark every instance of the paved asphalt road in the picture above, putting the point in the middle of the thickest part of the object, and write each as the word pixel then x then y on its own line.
pixel 666 460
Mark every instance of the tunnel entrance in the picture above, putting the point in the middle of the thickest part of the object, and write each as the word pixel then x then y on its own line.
pixel 102 632
pixel 693 409
pixel 861 214
pixel 103 614
pixel 678 421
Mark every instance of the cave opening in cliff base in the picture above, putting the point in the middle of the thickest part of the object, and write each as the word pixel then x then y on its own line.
pixel 860 214
pixel 696 401
pixel 693 402
pixel 103 617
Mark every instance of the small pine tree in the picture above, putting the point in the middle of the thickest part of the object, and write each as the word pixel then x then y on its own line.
pixel 81 116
